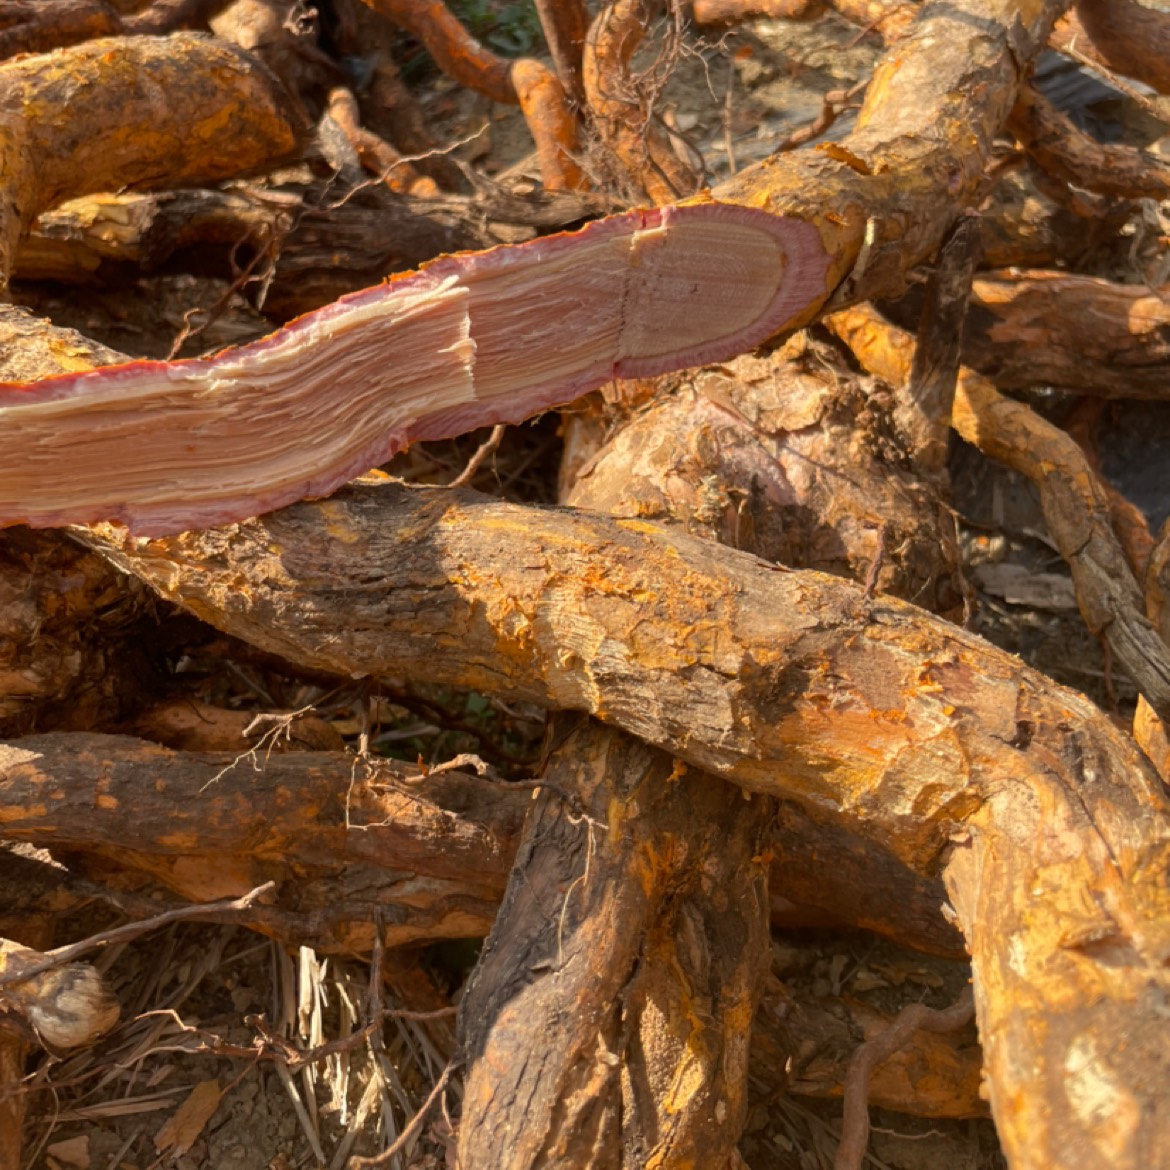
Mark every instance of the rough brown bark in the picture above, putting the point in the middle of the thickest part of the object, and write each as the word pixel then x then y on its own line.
pixel 347 842
pixel 71 636
pixel 656 934
pixel 282 818
pixel 782 455
pixel 915 733
pixel 566 24
pixel 1077 332
pixel 1022 226
pixel 1076 507
pixel 193 839
pixel 35 26
pixel 616 642
pixel 768 433
pixel 186 88
pixel 1133 38
pixel 1073 157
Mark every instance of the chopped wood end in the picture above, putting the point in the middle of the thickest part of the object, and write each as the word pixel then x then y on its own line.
pixel 469 340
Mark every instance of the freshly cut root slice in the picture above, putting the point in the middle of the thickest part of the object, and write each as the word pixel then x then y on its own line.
pixel 470 340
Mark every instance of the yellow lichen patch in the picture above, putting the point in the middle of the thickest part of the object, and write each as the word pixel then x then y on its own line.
pixel 337 523
pixel 10 814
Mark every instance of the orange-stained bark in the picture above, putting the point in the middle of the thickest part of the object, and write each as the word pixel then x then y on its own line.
pixel 901 726
pixel 377 155
pixel 990 889
pixel 346 843
pixel 281 818
pixel 1076 507
pixel 551 123
pixel 621 114
pixel 212 112
pixel 891 18
pixel 642 904
pixel 278 815
pixel 456 52
pixel 883 198
pixel 743 456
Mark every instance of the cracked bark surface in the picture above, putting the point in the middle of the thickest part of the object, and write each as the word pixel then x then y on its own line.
pixel 1046 822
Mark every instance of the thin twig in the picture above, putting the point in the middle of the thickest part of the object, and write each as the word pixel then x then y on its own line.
pixel 412 1128
pixel 728 143
pixel 132 930
pixel 834 104
pixel 916 1018
pixel 486 448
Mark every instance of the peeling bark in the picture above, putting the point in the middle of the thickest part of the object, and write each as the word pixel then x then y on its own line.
pixel 1080 333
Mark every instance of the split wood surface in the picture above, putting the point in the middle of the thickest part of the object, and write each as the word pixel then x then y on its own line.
pixel 666 290
pixel 738 734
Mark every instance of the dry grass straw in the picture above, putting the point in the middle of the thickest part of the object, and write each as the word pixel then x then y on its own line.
pixel 354 1070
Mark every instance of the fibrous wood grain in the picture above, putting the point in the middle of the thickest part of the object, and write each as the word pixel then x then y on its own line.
pixel 639 287
pixel 667 289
